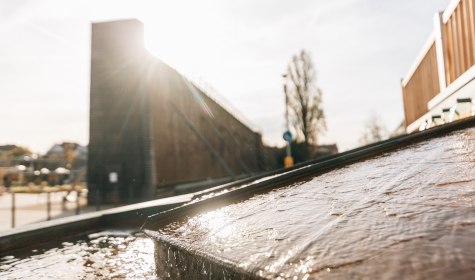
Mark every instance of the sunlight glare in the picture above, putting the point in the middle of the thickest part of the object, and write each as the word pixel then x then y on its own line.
pixel 186 39
pixel 218 224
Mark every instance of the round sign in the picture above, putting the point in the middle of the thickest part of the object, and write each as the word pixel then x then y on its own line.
pixel 287 136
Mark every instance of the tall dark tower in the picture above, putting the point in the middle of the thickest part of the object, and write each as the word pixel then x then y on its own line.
pixel 119 153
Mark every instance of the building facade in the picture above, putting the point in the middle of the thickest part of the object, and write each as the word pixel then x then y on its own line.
pixel 150 126
pixel 440 86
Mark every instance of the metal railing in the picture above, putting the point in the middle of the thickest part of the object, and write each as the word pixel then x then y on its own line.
pixel 14 191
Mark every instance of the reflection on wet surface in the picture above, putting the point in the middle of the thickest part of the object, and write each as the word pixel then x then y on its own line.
pixel 405 214
pixel 103 255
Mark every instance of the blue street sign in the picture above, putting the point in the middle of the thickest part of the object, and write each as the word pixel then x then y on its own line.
pixel 287 136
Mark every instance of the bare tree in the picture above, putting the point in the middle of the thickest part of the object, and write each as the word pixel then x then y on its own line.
pixel 304 100
pixel 375 130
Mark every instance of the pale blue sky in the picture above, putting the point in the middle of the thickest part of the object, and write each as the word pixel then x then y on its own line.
pixel 361 49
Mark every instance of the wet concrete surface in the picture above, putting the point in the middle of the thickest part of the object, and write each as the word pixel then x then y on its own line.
pixel 405 214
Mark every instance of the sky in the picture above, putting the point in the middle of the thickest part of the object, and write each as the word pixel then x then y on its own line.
pixel 360 48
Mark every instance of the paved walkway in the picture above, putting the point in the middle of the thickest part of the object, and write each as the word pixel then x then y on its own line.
pixel 32 208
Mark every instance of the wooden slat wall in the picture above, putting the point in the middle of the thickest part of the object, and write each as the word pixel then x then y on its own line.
pixel 460 36
pixel 422 87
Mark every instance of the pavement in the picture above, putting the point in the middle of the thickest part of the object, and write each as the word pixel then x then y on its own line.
pixel 32 208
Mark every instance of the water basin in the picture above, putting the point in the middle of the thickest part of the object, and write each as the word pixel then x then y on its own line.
pixel 115 254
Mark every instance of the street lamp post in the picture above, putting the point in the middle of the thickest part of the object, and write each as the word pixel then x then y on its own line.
pixel 288 160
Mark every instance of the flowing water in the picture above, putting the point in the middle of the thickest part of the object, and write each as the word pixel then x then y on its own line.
pixel 102 255
pixel 404 214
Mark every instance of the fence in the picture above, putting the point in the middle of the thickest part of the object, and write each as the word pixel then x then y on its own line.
pixel 459 28
pixel 424 81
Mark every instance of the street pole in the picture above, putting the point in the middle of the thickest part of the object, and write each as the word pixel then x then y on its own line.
pixel 13 208
pixel 288 160
pixel 48 205
pixel 78 196
pixel 287 117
